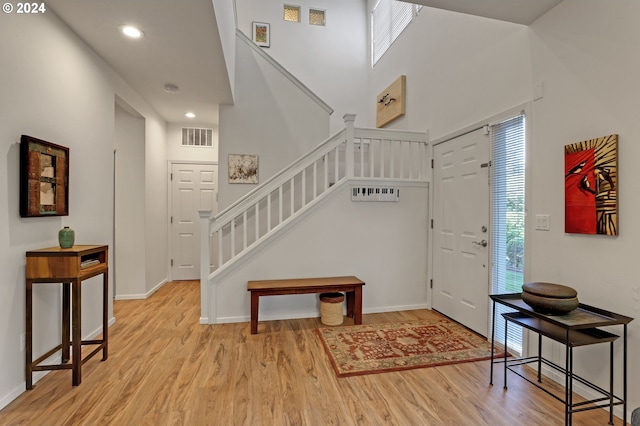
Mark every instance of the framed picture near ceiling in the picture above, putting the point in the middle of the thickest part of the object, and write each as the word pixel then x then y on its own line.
pixel 261 34
pixel 243 168
pixel 591 186
pixel 44 178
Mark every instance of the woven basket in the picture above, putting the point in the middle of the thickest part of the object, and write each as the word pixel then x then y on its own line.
pixel 331 308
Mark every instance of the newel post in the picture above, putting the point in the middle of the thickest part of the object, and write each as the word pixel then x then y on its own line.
pixel 205 260
pixel 349 120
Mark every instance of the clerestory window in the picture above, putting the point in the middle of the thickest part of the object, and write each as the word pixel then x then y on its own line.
pixel 388 19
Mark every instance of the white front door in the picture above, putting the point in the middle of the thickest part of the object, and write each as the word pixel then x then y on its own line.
pixel 460 229
pixel 193 187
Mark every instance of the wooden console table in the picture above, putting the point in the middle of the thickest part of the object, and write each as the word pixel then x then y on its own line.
pixel 577 328
pixel 351 285
pixel 70 267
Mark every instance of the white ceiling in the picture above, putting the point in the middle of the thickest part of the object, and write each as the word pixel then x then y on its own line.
pixel 517 11
pixel 182 45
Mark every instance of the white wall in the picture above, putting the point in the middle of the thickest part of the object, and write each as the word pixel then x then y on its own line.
pixel 177 152
pixel 54 89
pixel 130 256
pixel 156 201
pixel 460 69
pixel 155 196
pixel 271 117
pixel 382 243
pixel 226 21
pixel 590 80
pixel 331 60
pixel 58 89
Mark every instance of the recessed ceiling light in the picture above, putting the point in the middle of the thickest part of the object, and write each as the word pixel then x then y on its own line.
pixel 131 31
pixel 190 115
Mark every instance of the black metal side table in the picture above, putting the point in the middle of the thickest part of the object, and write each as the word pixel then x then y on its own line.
pixel 577 328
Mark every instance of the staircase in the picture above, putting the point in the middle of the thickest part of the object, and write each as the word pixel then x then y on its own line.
pixel 353 156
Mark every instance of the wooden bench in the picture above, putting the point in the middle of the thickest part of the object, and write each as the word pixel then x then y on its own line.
pixel 352 286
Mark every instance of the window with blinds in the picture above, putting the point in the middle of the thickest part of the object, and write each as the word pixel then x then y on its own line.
pixel 507 215
pixel 388 19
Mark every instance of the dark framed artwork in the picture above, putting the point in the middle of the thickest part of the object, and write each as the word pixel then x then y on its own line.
pixel 261 34
pixel 44 178
pixel 591 186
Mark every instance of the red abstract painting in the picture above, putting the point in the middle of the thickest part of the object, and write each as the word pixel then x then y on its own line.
pixel 590 186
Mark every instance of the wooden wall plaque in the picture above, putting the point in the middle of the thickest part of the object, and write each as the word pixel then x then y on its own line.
pixel 391 102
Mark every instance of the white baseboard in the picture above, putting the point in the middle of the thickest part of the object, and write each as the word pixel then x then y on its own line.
pixel 156 288
pixel 141 296
pixel 316 314
pixel 37 375
pixel 130 297
pixel 7 399
pixel 398 308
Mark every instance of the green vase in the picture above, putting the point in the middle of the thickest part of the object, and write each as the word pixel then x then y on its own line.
pixel 66 237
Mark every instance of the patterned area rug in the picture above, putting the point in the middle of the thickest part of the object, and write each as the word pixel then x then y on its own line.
pixel 378 348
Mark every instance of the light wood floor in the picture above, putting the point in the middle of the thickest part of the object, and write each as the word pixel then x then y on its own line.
pixel 165 369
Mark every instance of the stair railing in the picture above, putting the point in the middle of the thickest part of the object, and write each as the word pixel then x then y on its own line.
pixel 352 153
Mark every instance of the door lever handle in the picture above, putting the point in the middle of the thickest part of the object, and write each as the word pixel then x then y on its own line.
pixel 482 243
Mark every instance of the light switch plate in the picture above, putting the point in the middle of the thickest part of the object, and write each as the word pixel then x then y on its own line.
pixel 542 222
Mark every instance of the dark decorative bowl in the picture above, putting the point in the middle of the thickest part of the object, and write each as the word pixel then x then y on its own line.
pixel 550 305
pixel 556 291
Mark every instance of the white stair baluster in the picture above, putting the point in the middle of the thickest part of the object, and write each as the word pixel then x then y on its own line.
pixel 280 205
pixel 326 172
pixel 292 190
pixel 233 238
pixel 392 150
pixel 257 207
pixel 244 230
pixel 315 180
pixel 220 252
pixel 304 188
pixel 371 158
pixel 336 156
pixel 413 160
pixel 362 157
pixel 383 146
pixel 402 158
pixel 268 212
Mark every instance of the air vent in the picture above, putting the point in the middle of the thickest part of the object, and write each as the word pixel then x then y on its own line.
pixel 359 193
pixel 197 137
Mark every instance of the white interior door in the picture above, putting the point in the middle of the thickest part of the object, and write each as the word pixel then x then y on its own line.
pixel 193 187
pixel 460 230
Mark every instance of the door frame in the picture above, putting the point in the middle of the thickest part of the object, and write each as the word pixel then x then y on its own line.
pixel 497 118
pixel 170 165
pixel 485 140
